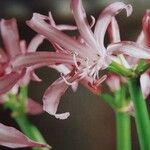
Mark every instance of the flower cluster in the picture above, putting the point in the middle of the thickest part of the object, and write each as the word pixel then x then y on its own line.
pixel 79 60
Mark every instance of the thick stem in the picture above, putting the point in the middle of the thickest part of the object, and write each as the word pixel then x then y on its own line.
pixel 123 131
pixel 141 114
pixel 120 69
pixel 30 130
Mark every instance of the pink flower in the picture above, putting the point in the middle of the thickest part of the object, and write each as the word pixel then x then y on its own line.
pixel 9 77
pixel 13 48
pixel 88 53
pixel 129 62
pixel 144 39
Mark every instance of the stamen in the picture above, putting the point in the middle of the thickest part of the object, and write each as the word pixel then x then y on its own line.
pixel 86 70
pixel 92 70
pixel 87 61
pixel 97 74
pixel 124 61
pixel 102 79
pixel 93 21
pixel 94 76
pixel 75 60
pixel 65 80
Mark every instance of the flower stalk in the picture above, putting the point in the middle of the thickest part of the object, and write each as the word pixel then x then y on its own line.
pixel 123 126
pixel 120 69
pixel 141 113
pixel 30 130
pixel 123 131
pixel 18 105
pixel 120 105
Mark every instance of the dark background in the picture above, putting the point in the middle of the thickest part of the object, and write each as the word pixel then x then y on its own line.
pixel 91 125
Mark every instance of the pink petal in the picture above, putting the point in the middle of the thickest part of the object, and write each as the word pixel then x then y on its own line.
pixel 35 42
pixel 62 26
pixel 141 39
pixel 52 21
pixel 40 58
pixel 10 36
pixel 3 56
pixel 9 80
pixel 114 32
pixel 61 68
pixel 74 86
pixel 146 27
pixel 29 75
pixel 52 97
pixel 113 82
pixel 23 46
pixel 65 70
pixel 34 108
pixel 34 77
pixel 82 23
pixel 105 19
pixel 130 48
pixel 145 86
pixel 13 138
pixel 38 24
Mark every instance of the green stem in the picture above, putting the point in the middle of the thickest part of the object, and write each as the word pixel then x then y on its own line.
pixel 120 69
pixel 141 114
pixel 123 131
pixel 108 99
pixel 30 130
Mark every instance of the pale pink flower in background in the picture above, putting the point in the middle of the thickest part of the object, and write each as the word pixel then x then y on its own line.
pixel 9 136
pixel 13 47
pixel 144 39
pixel 129 62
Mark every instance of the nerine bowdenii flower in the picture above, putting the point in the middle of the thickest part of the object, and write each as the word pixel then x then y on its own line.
pixel 87 53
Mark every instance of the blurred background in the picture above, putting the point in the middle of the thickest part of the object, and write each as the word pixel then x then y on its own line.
pixel 91 125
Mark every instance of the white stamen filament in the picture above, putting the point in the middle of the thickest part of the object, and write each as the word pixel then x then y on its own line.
pixel 102 79
pixel 75 60
pixel 123 61
pixel 97 74
pixel 93 21
pixel 87 61
pixel 65 80
pixel 93 69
